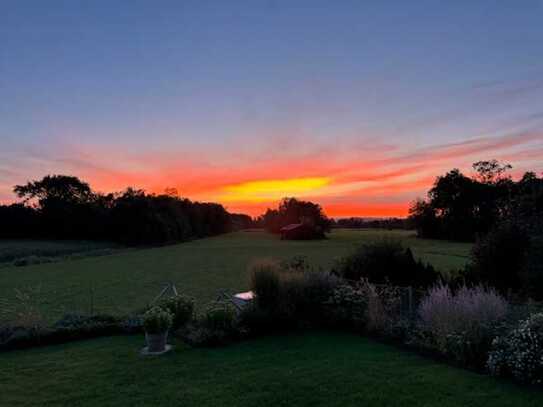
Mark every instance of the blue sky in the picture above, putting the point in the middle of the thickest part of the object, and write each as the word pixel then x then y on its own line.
pixel 187 93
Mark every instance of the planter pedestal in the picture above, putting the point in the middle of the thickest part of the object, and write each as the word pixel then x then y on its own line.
pixel 145 351
pixel 156 344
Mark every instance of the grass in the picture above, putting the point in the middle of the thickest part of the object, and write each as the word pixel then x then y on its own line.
pixel 17 249
pixel 315 369
pixel 126 280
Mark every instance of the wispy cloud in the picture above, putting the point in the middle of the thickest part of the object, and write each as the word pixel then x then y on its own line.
pixel 347 179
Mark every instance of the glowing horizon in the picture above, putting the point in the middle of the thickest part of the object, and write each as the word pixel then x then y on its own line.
pixel 355 106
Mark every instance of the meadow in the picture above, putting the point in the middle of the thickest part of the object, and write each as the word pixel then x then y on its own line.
pixel 19 250
pixel 126 280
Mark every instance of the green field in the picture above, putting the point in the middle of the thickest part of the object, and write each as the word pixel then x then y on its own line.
pixel 315 369
pixel 126 280
pixel 17 249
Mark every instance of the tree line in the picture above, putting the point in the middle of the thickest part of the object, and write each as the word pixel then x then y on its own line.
pixel 64 207
pixel 364 223
pixel 465 208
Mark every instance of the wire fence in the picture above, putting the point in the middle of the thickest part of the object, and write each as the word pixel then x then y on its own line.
pixel 35 302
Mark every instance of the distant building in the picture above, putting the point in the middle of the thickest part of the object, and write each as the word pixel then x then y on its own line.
pixel 301 231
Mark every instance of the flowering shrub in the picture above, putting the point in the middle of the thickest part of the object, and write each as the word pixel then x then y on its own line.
pixel 157 320
pixel 347 307
pixel 520 353
pixel 461 325
pixel 220 316
pixel 383 310
pixel 218 326
pixel 181 308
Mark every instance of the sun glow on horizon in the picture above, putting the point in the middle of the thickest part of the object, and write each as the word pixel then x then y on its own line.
pixel 275 189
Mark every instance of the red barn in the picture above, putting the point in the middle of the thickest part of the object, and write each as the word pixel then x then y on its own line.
pixel 301 231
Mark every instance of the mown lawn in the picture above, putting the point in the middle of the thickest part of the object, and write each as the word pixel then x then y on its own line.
pixel 124 281
pixel 315 369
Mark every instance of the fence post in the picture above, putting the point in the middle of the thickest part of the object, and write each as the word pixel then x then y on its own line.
pixel 410 297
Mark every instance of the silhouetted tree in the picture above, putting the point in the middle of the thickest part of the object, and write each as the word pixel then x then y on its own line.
pixel 463 208
pixel 64 207
pixel 292 210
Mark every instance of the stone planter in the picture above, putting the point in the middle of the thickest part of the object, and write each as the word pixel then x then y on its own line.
pixel 156 343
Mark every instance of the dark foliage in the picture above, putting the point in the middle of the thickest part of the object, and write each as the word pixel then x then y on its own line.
pixel 288 295
pixel 363 223
pixel 241 221
pixel 463 208
pixel 386 261
pixel 499 258
pixel 509 258
pixel 293 211
pixel 181 307
pixel 218 326
pixel 18 221
pixel 71 327
pixel 63 207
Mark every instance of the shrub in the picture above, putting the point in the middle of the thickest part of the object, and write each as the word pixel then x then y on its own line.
pixel 304 294
pixel 520 353
pixel 70 327
pixel 25 310
pixel 218 326
pixel 220 316
pixel 296 264
pixel 79 321
pixel 383 307
pixel 181 308
pixel 533 273
pixel 386 261
pixel 288 297
pixel 346 307
pixel 499 258
pixel 265 283
pixel 157 320
pixel 462 324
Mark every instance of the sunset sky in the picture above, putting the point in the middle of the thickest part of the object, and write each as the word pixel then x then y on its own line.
pixel 355 105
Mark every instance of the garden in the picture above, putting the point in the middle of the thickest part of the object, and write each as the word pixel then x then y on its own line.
pixel 378 291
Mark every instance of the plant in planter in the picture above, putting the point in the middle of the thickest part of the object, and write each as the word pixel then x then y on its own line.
pixel 156 323
pixel 181 308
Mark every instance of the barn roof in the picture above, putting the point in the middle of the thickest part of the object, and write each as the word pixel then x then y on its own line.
pixel 292 226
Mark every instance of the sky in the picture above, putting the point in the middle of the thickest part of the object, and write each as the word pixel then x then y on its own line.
pixel 355 105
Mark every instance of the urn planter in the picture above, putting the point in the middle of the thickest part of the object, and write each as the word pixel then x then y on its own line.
pixel 156 343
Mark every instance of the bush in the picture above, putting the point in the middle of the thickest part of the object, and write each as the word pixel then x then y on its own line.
pixel 520 353
pixel 461 325
pixel 265 283
pixel 220 316
pixel 287 294
pixel 218 326
pixel 181 308
pixel 346 307
pixel 80 321
pixel 70 327
pixel 386 262
pixel 157 320
pixel 383 311
pixel 533 273
pixel 499 258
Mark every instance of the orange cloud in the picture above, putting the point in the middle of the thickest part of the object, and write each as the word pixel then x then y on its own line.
pixel 346 182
